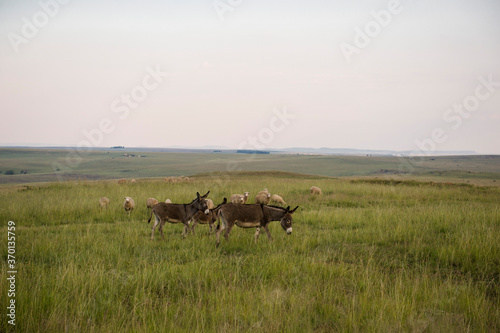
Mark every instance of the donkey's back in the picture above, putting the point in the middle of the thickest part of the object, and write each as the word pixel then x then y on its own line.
pixel 233 213
pixel 169 212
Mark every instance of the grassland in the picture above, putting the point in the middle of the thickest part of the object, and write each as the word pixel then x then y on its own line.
pixel 373 255
pixel 50 165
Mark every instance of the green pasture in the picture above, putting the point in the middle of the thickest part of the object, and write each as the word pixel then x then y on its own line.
pixel 369 255
pixel 55 165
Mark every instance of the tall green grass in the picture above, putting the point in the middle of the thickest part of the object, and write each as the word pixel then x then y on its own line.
pixel 364 256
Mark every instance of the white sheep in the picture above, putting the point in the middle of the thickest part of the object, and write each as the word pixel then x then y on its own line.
pixel 262 198
pixel 171 179
pixel 168 201
pixel 277 199
pixel 316 190
pixel 245 196
pixel 210 204
pixel 237 198
pixel 103 202
pixel 151 202
pixel 179 179
pixel 129 205
pixel 265 191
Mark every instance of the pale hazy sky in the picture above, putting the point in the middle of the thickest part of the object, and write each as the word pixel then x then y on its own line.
pixel 226 68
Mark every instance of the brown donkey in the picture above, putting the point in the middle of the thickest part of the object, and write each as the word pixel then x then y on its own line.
pixel 177 213
pixel 209 219
pixel 253 216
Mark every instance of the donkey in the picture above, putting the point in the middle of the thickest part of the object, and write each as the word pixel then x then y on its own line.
pixel 177 213
pixel 253 216
pixel 209 219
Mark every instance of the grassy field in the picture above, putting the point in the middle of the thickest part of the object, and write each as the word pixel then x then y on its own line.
pixel 370 255
pixel 50 165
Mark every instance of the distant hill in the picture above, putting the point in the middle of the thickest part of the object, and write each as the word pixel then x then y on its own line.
pixel 292 150
pixel 364 152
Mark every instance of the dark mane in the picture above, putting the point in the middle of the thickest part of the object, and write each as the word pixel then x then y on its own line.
pixel 276 207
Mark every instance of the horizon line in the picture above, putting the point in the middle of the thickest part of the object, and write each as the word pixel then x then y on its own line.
pixel 302 150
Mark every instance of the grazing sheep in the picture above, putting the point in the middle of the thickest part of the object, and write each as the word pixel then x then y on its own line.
pixel 262 198
pixel 265 191
pixel 122 181
pixel 168 201
pixel 277 199
pixel 133 181
pixel 315 190
pixel 151 202
pixel 171 179
pixel 129 205
pixel 210 203
pixel 237 198
pixel 103 202
pixel 177 179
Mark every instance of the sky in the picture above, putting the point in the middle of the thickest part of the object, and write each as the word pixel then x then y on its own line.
pixel 414 75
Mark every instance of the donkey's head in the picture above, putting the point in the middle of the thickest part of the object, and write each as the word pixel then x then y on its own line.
pixel 286 221
pixel 200 203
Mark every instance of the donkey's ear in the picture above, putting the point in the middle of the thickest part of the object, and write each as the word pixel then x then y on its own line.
pixel 198 194
pixel 293 211
pixel 206 194
pixel 225 200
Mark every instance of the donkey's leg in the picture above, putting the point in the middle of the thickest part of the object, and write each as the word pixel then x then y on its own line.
pixel 184 231
pixel 217 234
pixel 268 233
pixel 220 227
pixel 162 223
pixel 194 225
pixel 154 227
pixel 257 232
pixel 228 230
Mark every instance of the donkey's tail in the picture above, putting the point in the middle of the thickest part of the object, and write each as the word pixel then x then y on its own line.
pixel 150 216
pixel 218 220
